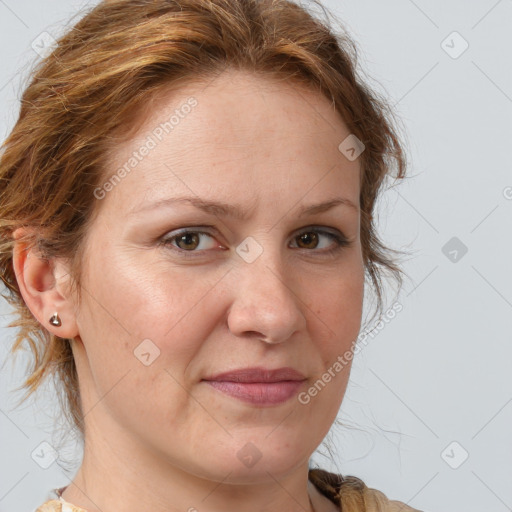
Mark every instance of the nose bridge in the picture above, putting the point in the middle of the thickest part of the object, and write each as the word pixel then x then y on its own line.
pixel 264 300
pixel 261 264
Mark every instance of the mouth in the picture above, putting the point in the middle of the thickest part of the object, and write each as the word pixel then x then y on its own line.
pixel 258 386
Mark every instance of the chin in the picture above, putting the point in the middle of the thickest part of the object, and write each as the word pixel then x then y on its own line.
pixel 253 461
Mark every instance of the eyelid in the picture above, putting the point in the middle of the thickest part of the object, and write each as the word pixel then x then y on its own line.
pixel 166 239
pixel 340 241
pixel 338 237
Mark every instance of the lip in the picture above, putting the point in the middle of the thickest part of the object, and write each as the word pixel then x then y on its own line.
pixel 258 386
pixel 258 374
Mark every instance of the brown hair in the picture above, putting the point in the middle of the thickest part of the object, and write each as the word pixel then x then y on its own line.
pixel 101 73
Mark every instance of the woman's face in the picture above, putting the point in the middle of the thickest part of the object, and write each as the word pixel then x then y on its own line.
pixel 252 284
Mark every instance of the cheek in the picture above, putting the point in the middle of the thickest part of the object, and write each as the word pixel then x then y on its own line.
pixel 336 309
pixel 149 322
pixel 337 302
pixel 140 299
pixel 149 329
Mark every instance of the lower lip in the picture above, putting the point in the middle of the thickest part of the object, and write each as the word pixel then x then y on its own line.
pixel 260 393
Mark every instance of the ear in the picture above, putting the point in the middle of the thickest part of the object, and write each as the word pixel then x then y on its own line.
pixel 44 285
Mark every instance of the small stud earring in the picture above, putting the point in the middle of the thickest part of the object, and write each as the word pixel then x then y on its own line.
pixel 55 320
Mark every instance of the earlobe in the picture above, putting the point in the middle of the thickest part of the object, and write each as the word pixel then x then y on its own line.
pixel 43 293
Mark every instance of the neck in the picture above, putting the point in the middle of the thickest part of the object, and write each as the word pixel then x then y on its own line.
pixel 129 478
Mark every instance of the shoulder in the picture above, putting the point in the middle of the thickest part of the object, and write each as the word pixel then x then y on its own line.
pixel 351 493
pixel 54 505
pixel 50 506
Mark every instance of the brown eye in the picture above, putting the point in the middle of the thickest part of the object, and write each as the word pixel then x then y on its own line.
pixel 320 241
pixel 190 241
pixel 187 241
pixel 308 240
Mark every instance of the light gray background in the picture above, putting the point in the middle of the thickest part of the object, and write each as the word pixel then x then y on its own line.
pixel 439 371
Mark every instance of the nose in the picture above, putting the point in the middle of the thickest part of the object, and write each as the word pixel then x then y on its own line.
pixel 265 306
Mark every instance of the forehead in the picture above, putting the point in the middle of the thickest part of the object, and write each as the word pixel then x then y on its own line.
pixel 236 134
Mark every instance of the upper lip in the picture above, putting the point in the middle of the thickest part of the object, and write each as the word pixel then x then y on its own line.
pixel 258 374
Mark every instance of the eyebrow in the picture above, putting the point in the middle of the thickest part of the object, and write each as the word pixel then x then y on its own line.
pixel 236 211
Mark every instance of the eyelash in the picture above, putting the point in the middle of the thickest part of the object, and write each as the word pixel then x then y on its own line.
pixel 340 242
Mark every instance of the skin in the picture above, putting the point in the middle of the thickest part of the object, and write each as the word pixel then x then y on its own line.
pixel 157 437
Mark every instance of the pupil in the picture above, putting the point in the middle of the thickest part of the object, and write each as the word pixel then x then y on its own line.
pixel 307 238
pixel 187 239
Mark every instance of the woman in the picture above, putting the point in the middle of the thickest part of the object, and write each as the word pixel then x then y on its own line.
pixel 190 255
